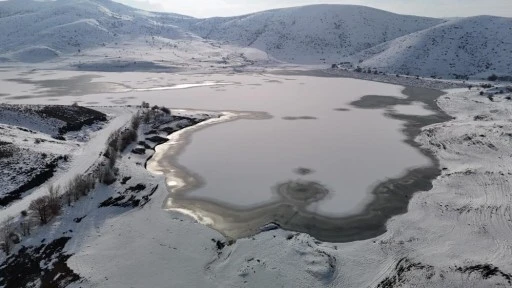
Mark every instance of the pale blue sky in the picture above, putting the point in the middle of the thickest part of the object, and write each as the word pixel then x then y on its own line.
pixel 432 8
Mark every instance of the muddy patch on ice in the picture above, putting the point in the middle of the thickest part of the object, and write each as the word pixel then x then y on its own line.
pixel 299 118
pixel 303 171
pixel 125 66
pixel 73 86
pixel 90 84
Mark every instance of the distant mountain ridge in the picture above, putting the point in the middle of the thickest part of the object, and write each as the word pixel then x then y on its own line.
pixel 36 31
pixel 467 46
pixel 310 33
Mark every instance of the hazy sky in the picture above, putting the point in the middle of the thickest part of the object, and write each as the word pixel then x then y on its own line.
pixel 432 8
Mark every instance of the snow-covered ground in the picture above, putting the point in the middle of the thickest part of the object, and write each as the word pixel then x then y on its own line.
pixel 456 235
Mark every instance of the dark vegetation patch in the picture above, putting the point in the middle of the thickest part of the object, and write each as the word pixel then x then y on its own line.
pixel 342 109
pixel 71 117
pixel 130 197
pixel 157 139
pixel 405 266
pixel 75 117
pixel 125 180
pixel 79 219
pixel 144 144
pixel 481 118
pixel 24 170
pixel 219 244
pixel 166 128
pixel 139 151
pixel 486 271
pixel 44 264
pixel 402 268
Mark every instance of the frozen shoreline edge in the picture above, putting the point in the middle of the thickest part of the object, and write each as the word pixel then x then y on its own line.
pixel 367 223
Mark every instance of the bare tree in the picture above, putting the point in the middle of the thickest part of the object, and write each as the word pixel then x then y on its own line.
pixel 40 207
pixel 6 232
pixel 147 117
pixel 54 205
pixel 135 121
pixel 107 175
pixel 165 110
pixel 68 196
pixel 25 227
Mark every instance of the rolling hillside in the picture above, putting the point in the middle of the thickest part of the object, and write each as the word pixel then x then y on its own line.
pixel 468 46
pixel 35 31
pixel 38 31
pixel 310 34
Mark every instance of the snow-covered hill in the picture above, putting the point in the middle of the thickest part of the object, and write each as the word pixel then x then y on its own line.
pixel 35 31
pixel 469 46
pixel 312 34
pixel 101 30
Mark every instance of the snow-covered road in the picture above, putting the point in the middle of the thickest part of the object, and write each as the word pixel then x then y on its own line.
pixel 83 158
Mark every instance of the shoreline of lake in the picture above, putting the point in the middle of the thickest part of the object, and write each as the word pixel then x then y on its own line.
pixel 389 197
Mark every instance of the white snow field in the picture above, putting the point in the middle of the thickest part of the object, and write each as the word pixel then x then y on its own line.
pixel 454 235
pixel 104 54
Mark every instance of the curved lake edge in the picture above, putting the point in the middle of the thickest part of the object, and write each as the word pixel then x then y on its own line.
pixel 388 198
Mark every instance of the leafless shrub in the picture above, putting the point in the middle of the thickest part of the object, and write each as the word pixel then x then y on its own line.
pixel 79 186
pixel 165 110
pixel 113 139
pixel 127 137
pixel 54 205
pixel 40 208
pixel 111 154
pixel 106 175
pixel 135 123
pixel 68 196
pixel 25 227
pixel 6 232
pixel 147 117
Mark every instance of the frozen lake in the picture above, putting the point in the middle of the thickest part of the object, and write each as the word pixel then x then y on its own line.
pixel 314 156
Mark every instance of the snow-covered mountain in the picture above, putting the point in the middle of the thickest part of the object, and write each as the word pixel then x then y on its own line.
pixel 36 31
pixel 310 34
pixel 469 46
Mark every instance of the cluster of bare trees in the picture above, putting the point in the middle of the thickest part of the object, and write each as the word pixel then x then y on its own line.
pixel 44 208
pixel 47 206
pixel 154 113
pixel 78 187
pixel 7 233
pixel 116 144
